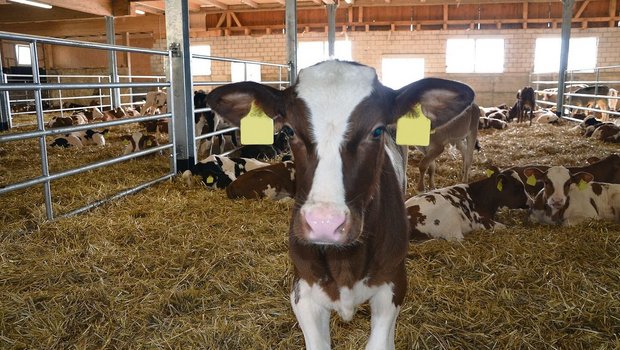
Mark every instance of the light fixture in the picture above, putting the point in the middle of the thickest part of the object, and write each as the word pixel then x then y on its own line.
pixel 33 3
pixel 139 12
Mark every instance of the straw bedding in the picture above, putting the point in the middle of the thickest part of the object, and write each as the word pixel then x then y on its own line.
pixel 187 268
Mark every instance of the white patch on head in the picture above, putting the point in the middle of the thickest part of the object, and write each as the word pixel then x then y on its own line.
pixel 331 90
pixel 558 175
pixel 270 192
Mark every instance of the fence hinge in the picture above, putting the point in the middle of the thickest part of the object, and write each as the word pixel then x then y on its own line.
pixel 176 49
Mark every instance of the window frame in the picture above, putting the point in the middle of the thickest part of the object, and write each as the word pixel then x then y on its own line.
pixel 475 65
pixel 17 55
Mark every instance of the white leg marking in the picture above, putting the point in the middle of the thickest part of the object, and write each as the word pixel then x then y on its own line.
pixel 312 316
pixel 383 319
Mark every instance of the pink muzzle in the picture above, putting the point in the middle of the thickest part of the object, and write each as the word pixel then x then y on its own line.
pixel 326 224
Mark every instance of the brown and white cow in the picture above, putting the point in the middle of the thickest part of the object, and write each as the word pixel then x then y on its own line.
pixel 569 199
pixel 453 211
pixel 348 236
pixel 276 181
pixel 137 142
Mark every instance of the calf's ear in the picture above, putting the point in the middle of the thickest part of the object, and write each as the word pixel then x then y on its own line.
pixel 233 101
pixel 441 100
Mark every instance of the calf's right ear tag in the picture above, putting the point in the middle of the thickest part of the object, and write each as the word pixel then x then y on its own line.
pixel 413 128
pixel 531 180
pixel 256 127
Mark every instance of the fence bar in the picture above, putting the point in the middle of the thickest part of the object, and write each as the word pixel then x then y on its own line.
pixel 172 132
pixel 13 87
pixel 112 66
pixel 47 190
pixel 77 43
pixel 215 133
pixel 70 129
pixel 5 104
pixel 591 109
pixel 75 171
pixel 117 196
pixel 235 60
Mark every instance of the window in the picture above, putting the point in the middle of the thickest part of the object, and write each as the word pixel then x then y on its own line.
pixel 244 72
pixel 312 52
pixel 475 56
pixel 22 53
pixel 581 54
pixel 200 66
pixel 400 71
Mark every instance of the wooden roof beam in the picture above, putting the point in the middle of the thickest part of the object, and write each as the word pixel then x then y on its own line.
pixel 250 3
pixel 215 3
pixel 582 8
pixel 328 2
pixel 95 7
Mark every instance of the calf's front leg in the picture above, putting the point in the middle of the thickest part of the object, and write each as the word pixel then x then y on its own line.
pixel 313 318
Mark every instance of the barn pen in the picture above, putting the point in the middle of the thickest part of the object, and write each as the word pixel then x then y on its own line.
pixel 103 251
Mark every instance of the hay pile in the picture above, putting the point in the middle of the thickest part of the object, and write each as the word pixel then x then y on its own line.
pixel 186 268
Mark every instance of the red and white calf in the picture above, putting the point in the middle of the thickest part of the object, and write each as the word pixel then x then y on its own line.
pixel 348 237
pixel 570 199
pixel 453 211
pixel 138 142
pixel 276 181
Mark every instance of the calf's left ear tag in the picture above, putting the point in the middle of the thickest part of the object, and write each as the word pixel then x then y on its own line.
pixel 500 185
pixel 531 180
pixel 582 185
pixel 413 128
pixel 256 127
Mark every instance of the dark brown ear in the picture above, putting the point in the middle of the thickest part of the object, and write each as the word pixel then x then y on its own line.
pixel 587 177
pixel 441 99
pixel 537 173
pixel 233 101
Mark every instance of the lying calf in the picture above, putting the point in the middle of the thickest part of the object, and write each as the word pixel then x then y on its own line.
pixel 219 171
pixel 453 211
pixel 275 181
pixel 569 199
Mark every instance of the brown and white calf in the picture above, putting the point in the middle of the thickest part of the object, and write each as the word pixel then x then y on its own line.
pixel 461 131
pixel 276 181
pixel 569 199
pixel 138 142
pixel 603 170
pixel 348 236
pixel 453 211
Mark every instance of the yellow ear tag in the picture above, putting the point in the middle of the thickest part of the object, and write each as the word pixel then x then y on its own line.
pixel 582 185
pixel 500 186
pixel 256 127
pixel 413 128
pixel 489 172
pixel 531 180
pixel 210 180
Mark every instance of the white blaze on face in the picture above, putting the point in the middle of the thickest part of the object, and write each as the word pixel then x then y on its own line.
pixel 558 175
pixel 331 90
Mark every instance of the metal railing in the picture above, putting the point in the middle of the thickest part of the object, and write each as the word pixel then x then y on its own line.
pixel 575 79
pixel 37 87
pixel 280 83
pixel 57 103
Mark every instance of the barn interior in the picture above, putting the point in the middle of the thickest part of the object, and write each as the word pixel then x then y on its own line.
pixel 100 248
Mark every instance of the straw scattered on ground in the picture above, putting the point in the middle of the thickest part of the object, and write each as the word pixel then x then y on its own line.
pixel 187 268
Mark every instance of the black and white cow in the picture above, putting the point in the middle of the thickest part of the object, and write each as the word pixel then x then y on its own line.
pixel 219 171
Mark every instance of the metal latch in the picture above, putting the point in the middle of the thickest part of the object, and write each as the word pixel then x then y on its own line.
pixel 176 49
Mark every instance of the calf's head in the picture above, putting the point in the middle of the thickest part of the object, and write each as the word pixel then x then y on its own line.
pixel 337 113
pixel 557 181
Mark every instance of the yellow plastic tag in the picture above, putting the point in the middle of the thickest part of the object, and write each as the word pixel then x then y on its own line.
pixel 531 180
pixel 210 180
pixel 413 128
pixel 500 186
pixel 256 127
pixel 489 172
pixel 582 184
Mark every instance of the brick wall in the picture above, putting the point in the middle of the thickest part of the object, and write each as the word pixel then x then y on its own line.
pixel 369 48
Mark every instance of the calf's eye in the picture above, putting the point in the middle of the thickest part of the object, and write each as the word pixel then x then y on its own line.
pixel 377 132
